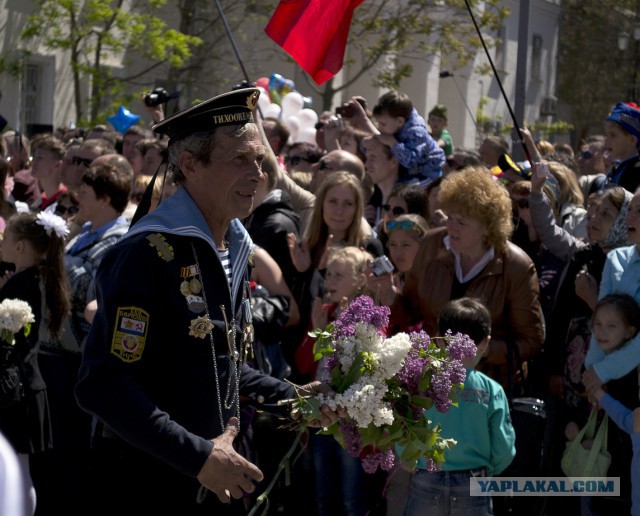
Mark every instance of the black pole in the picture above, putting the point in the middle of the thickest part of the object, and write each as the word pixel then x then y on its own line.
pixel 516 126
pixel 233 42
pixel 235 48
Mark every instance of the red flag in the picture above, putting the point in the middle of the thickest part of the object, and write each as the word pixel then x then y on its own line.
pixel 314 33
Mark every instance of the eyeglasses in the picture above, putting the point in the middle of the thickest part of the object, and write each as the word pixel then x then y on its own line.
pixel 587 155
pixel 319 125
pixel 81 161
pixel 396 210
pixel 521 203
pixel 61 210
pixel 406 225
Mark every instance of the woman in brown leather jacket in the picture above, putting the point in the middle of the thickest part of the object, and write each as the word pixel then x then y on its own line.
pixel 472 256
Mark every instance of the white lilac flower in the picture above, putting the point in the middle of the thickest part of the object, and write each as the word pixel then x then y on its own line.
pixel 393 353
pixel 15 314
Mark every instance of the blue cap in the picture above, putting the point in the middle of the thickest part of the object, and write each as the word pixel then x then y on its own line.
pixel 627 114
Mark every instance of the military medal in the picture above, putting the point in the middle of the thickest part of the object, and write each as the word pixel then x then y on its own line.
pixel 190 287
pixel 195 286
pixel 195 304
pixel 200 327
pixel 184 288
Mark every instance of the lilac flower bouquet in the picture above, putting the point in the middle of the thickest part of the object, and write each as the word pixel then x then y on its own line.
pixel 385 385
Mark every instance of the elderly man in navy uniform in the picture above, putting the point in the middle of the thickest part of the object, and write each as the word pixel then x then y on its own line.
pixel 164 367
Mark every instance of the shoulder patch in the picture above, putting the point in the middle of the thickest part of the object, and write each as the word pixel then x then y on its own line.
pixel 165 251
pixel 130 333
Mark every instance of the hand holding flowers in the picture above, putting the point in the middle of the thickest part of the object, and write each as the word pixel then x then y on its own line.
pixel 385 385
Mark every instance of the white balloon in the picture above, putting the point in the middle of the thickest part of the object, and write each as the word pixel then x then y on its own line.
pixel 263 101
pixel 308 118
pixel 292 103
pixel 272 111
pixel 294 126
pixel 307 135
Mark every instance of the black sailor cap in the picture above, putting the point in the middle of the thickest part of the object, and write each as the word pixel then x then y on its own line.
pixel 234 107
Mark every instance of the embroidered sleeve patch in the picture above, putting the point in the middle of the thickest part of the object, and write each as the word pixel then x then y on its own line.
pixel 165 250
pixel 130 333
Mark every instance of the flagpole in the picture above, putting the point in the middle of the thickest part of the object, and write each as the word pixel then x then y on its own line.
pixel 516 126
pixel 233 42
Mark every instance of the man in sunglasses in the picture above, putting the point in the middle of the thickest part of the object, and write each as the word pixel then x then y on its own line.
pixel 334 161
pixel 77 160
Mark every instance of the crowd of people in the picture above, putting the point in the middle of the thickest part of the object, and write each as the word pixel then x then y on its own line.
pixel 175 272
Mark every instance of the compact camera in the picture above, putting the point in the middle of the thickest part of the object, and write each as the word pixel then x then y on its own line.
pixel 381 265
pixel 159 96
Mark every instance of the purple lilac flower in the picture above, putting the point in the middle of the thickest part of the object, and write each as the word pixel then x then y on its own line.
pixel 411 371
pixel 460 346
pixel 332 361
pixel 417 412
pixel 370 462
pixel 440 389
pixel 432 466
pixel 387 460
pixel 420 340
pixel 361 309
pixel 351 438
pixel 457 372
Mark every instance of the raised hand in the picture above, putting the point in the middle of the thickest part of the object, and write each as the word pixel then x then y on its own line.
pixel 300 255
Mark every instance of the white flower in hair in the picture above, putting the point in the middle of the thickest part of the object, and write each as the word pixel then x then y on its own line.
pixel 52 222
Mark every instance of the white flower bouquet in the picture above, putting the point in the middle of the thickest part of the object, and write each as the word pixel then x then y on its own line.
pixel 15 315
pixel 385 385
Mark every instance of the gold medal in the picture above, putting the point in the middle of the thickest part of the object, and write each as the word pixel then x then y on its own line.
pixel 184 288
pixel 200 327
pixel 194 286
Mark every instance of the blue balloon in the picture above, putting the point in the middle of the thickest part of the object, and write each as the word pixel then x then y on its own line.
pixel 123 119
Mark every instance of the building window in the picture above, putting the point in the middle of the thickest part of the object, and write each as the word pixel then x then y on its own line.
pixel 31 93
pixel 536 57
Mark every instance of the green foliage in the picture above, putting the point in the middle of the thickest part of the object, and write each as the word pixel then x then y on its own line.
pixel 593 73
pixel 543 129
pixel 94 31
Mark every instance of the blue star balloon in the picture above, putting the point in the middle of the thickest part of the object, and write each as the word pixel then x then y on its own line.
pixel 123 119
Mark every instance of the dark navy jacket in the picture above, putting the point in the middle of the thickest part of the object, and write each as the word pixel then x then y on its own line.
pixel 143 375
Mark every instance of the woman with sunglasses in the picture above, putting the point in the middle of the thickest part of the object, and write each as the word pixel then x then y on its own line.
pixel 403 199
pixel 67 207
